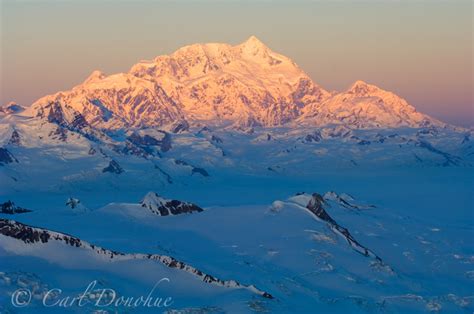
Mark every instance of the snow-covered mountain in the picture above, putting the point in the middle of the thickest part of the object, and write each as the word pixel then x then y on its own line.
pixel 366 106
pixel 218 84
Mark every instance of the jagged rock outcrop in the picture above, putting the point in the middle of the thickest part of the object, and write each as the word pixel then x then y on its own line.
pixel 194 169
pixel 316 206
pixel 164 207
pixel 10 208
pixel 76 206
pixel 113 167
pixel 15 139
pixel 450 160
pixel 6 157
pixel 148 137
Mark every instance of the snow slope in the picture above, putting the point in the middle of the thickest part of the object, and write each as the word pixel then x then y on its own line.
pixel 282 248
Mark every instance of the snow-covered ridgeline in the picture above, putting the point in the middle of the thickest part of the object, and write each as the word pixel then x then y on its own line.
pixel 38 236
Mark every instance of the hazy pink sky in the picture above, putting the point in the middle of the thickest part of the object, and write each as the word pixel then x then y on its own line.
pixel 422 50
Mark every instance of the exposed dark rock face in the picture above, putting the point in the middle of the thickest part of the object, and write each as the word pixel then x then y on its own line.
pixel 180 126
pixel 35 236
pixel 380 138
pixel 6 157
pixel 466 138
pixel 15 139
pixel 194 169
pixel 76 205
pixel 169 179
pixel 56 114
pixel 113 167
pixel 131 149
pixel 450 160
pixel 316 206
pixel 106 113
pixel 72 202
pixel 428 131
pixel 165 207
pixel 204 129
pixel 166 142
pixel 363 142
pixel 216 139
pixel 315 137
pixel 79 122
pixel 10 208
pixel 59 133
pixel 146 141
pixel 200 171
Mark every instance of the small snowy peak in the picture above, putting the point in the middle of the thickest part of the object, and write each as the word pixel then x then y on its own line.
pixel 254 47
pixel 94 76
pixel 253 43
pixel 361 88
pixel 164 207
pixel 300 198
pixel 277 206
pixel 365 106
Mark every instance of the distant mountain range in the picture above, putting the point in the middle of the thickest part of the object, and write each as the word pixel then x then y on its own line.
pixel 215 84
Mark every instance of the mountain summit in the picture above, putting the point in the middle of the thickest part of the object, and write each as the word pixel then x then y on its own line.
pixel 217 84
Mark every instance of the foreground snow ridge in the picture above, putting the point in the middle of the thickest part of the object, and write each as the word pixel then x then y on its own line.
pixel 38 236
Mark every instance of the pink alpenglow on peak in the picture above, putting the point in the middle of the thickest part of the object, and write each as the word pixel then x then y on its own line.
pixel 94 76
pixel 218 84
